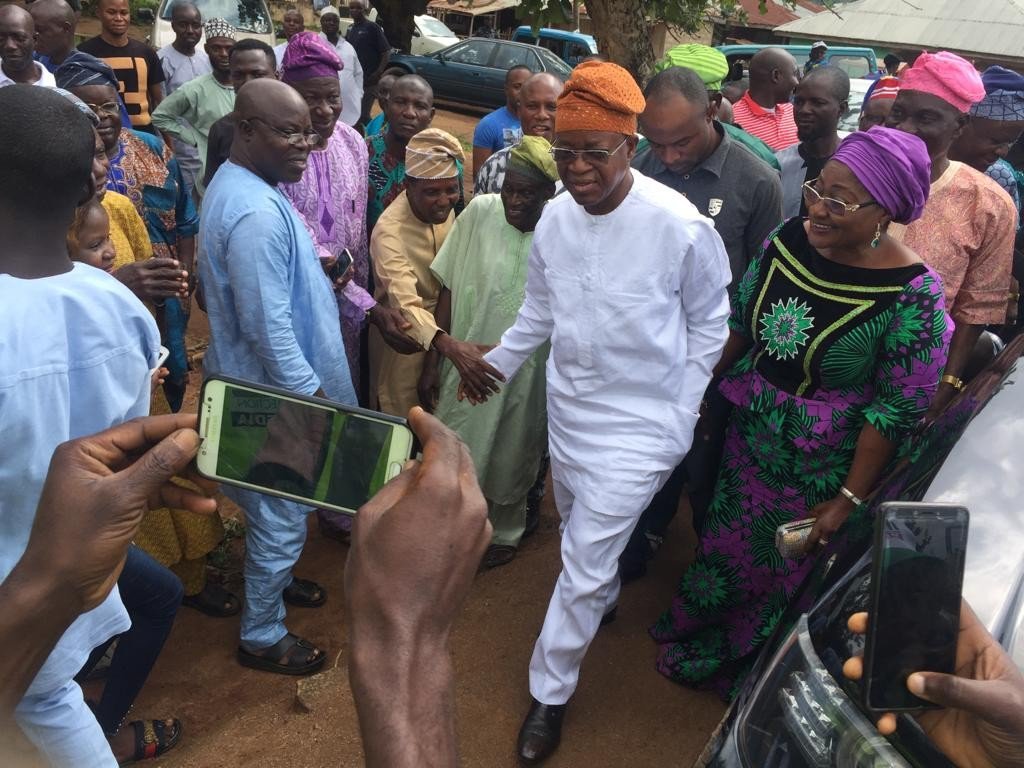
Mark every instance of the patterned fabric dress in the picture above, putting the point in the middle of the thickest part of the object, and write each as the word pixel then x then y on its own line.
pixel 330 198
pixel 144 170
pixel 833 348
pixel 387 178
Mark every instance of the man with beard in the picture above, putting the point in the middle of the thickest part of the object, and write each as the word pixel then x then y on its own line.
pixel 818 104
pixel 190 112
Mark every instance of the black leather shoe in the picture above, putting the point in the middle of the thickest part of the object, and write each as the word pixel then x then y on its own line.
pixel 541 732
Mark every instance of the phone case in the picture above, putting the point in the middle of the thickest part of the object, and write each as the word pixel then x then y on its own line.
pixel 272 390
pixel 889 510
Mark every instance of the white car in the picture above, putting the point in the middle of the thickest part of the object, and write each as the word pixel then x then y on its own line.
pixel 858 90
pixel 250 18
pixel 428 34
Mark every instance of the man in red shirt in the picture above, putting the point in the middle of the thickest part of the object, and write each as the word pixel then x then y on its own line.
pixel 765 111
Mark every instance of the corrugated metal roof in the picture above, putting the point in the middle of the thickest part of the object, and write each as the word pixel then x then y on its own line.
pixel 472 7
pixel 992 28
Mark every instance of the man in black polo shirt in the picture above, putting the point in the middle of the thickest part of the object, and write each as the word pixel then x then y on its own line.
pixel 689 151
pixel 135 64
pixel 372 49
pixel 819 102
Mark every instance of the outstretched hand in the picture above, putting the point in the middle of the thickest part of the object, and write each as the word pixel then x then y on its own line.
pixel 982 722
pixel 98 489
pixel 393 326
pixel 479 379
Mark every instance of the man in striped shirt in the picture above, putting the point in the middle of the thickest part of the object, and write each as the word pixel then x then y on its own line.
pixel 765 111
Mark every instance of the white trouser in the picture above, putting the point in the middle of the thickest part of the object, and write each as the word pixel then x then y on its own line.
pixel 587 588
pixel 64 729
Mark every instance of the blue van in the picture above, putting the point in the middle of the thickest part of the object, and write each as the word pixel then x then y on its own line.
pixel 857 62
pixel 570 47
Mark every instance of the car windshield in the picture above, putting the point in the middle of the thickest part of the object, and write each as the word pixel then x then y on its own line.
pixel 554 64
pixel 430 26
pixel 245 15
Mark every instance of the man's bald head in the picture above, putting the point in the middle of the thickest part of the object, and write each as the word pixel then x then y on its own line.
pixel 414 84
pixel 774 74
pixel 265 98
pixel 55 28
pixel 274 134
pixel 185 11
pixel 545 81
pixel 19 33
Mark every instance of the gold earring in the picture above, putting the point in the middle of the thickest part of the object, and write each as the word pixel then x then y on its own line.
pixel 878 235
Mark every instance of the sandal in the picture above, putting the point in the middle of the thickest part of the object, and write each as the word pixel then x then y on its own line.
pixel 153 738
pixel 214 600
pixel 304 593
pixel 498 554
pixel 283 658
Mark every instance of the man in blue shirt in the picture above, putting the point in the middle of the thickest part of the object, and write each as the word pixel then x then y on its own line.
pixel 273 320
pixel 76 347
pixel 501 127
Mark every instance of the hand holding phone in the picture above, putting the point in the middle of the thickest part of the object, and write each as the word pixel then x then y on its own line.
pixel 341 266
pixel 916 578
pixel 306 449
pixel 982 722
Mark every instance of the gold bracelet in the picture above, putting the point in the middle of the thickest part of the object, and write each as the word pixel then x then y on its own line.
pixel 953 381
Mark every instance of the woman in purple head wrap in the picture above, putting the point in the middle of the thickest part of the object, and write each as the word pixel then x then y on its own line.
pixel 838 338
pixel 331 201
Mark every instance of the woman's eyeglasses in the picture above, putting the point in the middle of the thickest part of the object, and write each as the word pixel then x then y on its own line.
pixel 306 138
pixel 110 108
pixel 590 156
pixel 832 205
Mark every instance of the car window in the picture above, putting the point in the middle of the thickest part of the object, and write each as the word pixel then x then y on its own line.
pixel 554 64
pixel 477 52
pixel 246 15
pixel 517 56
pixel 854 66
pixel 432 26
pixel 553 45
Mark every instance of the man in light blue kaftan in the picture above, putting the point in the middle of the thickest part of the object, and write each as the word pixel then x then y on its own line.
pixel 273 320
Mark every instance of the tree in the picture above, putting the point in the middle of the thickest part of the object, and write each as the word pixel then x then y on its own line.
pixel 396 18
pixel 623 27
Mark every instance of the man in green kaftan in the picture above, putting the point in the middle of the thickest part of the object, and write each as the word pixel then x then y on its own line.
pixel 482 267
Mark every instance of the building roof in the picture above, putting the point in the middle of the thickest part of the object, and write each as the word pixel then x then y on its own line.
pixel 471 7
pixel 991 29
pixel 775 12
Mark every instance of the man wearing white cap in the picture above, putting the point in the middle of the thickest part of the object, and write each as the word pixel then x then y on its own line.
pixel 351 74
pixel 817 58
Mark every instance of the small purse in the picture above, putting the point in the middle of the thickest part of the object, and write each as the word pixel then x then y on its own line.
pixel 791 538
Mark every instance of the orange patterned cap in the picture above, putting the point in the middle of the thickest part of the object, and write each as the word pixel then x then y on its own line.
pixel 599 96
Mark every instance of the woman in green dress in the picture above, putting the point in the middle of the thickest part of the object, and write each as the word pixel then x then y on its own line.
pixel 482 266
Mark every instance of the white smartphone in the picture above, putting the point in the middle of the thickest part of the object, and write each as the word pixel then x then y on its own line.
pixel 302 448
pixel 161 358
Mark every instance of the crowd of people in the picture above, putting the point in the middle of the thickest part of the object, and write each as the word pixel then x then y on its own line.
pixel 645 294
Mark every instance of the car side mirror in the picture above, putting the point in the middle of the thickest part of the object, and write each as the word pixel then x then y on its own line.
pixel 145 15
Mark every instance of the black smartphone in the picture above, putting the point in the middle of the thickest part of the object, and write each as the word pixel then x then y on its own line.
pixel 916 579
pixel 341 266
pixel 306 449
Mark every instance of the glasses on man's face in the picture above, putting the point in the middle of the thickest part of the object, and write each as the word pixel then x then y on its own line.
pixel 110 108
pixel 565 156
pixel 832 205
pixel 307 138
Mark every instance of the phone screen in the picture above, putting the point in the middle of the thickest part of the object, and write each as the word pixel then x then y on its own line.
pixel 327 456
pixel 342 265
pixel 915 617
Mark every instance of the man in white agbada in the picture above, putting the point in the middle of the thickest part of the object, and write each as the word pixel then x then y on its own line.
pixel 628 282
